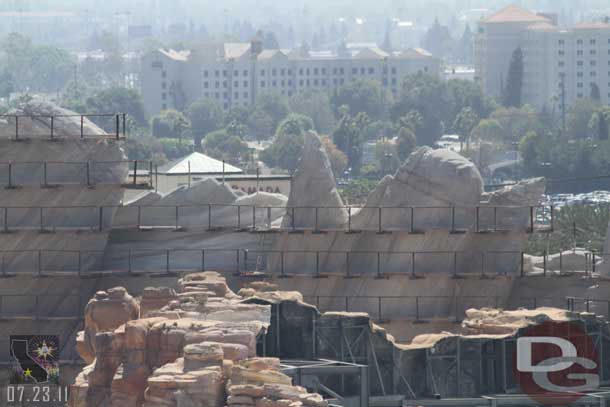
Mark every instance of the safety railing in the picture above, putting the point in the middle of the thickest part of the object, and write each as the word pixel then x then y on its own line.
pixel 417 307
pixel 421 308
pixel 118 121
pixel 588 305
pixel 245 262
pixel 41 306
pixel 50 174
pixel 297 219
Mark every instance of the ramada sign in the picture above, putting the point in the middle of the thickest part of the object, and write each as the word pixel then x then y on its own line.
pixel 556 362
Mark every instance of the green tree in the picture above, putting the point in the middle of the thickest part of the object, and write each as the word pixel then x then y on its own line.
pixel 205 117
pixel 224 146
pixel 338 160
pixel 361 96
pixel 294 125
pixel 169 123
pixel 515 122
pixel 406 143
pixel 316 105
pixel 116 100
pixel 427 95
pixel 286 147
pixel 578 118
pixel 487 130
pixel 349 136
pixel 514 81
pixel 464 122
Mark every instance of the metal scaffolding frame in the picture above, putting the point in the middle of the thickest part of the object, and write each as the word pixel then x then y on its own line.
pixel 308 373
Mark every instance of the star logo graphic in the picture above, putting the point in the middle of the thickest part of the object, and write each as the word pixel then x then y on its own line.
pixel 27 373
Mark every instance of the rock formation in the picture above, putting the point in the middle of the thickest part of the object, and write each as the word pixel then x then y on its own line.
pixel 313 185
pixel 196 347
pixel 428 178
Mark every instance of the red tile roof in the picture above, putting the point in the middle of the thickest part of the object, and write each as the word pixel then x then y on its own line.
pixel 514 14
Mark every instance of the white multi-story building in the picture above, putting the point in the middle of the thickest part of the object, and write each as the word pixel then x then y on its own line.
pixel 560 65
pixel 234 74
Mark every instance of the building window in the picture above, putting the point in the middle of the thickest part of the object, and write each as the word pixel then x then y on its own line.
pixel 206 84
pixel 301 82
pixel 335 81
pixel 262 84
pixel 164 106
pixel 289 72
pixel 262 72
pixel 164 96
pixel 217 73
pixel 579 85
pixel 393 70
pixel 315 71
pixel 579 95
pixel 289 82
pixel 579 42
pixel 323 71
pixel 236 84
pixel 245 84
pixel 205 73
pixel 592 41
pixel 217 95
pixel 593 63
pixel 282 71
pixel 371 70
pixel 323 82
pixel 561 63
pixel 236 95
pixel 307 71
pixel 164 74
pixel 224 73
pixel 159 64
pixel 315 82
pixel 274 83
pixel 385 81
pixel 579 52
pixel 163 85
pixel 236 73
pixel 224 84
pixel 561 42
pixel 273 72
pixel 246 95
pixel 579 74
pixel 384 70
pixel 301 71
pixel 283 83
pixel 206 95
pixel 341 81
pixel 289 93
pixel 362 70
pixel 225 95
pixel 425 69
pixel 341 71
pixel 245 73
pixel 393 81
pixel 579 63
pixel 226 106
pixel 593 73
pixel 592 52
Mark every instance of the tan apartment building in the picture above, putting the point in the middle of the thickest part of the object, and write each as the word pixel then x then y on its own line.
pixel 234 74
pixel 560 64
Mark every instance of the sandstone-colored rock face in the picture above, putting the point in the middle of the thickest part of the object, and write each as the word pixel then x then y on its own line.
pixel 198 349
pixel 154 298
pixel 313 185
pixel 428 178
pixel 107 311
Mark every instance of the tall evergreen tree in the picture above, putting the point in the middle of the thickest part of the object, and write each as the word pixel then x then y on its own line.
pixel 514 83
pixel 595 95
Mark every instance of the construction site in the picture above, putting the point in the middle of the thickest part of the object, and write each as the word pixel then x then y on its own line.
pixel 205 296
